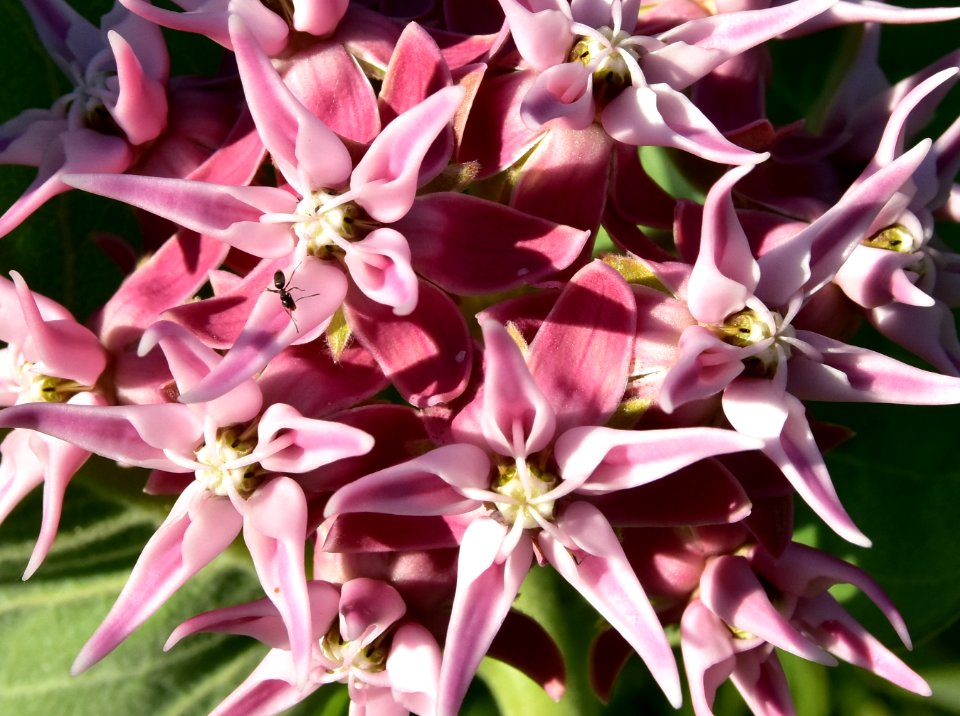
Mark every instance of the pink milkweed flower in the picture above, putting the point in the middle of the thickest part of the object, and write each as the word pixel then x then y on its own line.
pixel 750 602
pixel 241 459
pixel 532 437
pixel 49 358
pixel 361 638
pixel 589 65
pixel 118 102
pixel 744 344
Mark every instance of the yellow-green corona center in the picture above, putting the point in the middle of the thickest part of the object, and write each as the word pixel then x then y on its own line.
pixel 224 470
pixel 523 493
pixel 610 71
pixel 747 328
pixel 35 386
pixel 743 328
pixel 893 238
pixel 326 221
pixel 352 658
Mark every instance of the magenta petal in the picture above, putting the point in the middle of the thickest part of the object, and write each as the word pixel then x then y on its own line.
pixel 480 604
pixel 309 443
pixel 271 327
pixel 416 71
pixel 227 213
pixel 129 434
pixel 593 323
pixel 427 355
pixel 425 485
pixel 199 527
pixel 606 460
pixel 605 578
pixel 731 590
pixel 275 530
pixel 307 152
pixel 384 182
pixel 468 245
pixel 708 656
pixel 516 418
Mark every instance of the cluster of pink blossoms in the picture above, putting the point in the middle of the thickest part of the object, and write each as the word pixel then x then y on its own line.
pixel 412 354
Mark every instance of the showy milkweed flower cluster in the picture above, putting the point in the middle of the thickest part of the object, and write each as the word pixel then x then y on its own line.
pixel 419 315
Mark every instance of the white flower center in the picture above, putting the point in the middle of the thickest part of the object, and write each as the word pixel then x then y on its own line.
pixel 351 661
pixel 222 468
pixel 328 219
pixel 523 487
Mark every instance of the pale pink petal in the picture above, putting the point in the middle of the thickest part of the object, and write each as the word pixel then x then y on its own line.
pixel 761 682
pixel 307 152
pixel 605 578
pixel 543 35
pixel 593 323
pixel 708 656
pixel 605 460
pixel 199 527
pixel 368 608
pixel 384 182
pixel 563 96
pixel 705 366
pixel 731 590
pixel 271 327
pixel 270 689
pixel 517 419
pixel 318 18
pixel 485 591
pixel 425 485
pixel 756 407
pixel 141 106
pixel 414 668
pixel 725 273
pixel 227 213
pixel 275 531
pixel 380 267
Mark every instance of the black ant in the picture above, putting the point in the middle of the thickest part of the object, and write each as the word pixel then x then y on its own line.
pixel 282 287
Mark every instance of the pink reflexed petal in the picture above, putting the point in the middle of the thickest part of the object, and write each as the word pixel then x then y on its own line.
pixel 141 107
pixel 761 682
pixel 864 376
pixel 605 460
pixel 808 572
pixel 719 37
pixel 380 266
pixel 873 277
pixel 593 323
pixel 517 419
pixel 307 152
pixel 725 273
pixel 659 116
pixel 708 656
pixel 227 213
pixel 261 620
pixel 798 457
pixel 891 144
pixel 485 591
pixel 427 355
pixel 167 278
pixel 385 180
pixel 275 531
pixel 845 638
pixel 75 150
pixel 730 589
pixel 270 29
pixel 562 95
pixel 415 72
pixel 543 35
pixel 65 33
pixel 190 361
pixel 705 366
pixel 271 328
pixel 368 608
pixel 414 668
pixel 25 139
pixel 199 527
pixel 605 578
pixel 318 18
pixel 468 245
pixel 314 442
pixel 426 485
pixel 129 434
pixel 21 469
pixel 857 12
pixel 270 688
pixel 64 347
pixel 928 332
